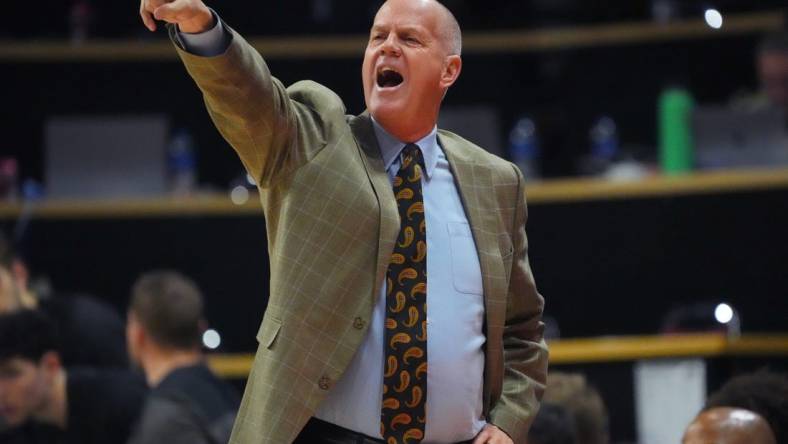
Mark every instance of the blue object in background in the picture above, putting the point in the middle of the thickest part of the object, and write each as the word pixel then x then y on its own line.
pixel 524 147
pixel 604 139
pixel 181 163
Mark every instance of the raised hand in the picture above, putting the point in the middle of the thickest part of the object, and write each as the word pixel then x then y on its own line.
pixel 191 16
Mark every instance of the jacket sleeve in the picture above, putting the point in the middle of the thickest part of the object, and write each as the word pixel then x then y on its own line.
pixel 525 352
pixel 273 130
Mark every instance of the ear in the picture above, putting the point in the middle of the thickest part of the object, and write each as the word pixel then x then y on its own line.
pixel 50 361
pixel 451 71
pixel 135 334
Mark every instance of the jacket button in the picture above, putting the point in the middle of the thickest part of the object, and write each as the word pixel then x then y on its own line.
pixel 358 323
pixel 324 383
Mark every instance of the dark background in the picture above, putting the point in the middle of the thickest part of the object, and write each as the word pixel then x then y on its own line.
pixel 120 19
pixel 565 90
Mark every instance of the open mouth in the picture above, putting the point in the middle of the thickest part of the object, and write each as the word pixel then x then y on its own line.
pixel 388 78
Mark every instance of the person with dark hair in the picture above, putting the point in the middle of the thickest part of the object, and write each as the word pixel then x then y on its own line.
pixel 30 371
pixel 553 425
pixel 79 406
pixel 583 403
pixel 188 404
pixel 90 331
pixel 753 406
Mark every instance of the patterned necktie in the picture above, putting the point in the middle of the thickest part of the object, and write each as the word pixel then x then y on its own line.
pixel 403 411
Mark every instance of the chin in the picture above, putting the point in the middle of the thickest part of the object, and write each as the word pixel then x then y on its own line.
pixel 385 111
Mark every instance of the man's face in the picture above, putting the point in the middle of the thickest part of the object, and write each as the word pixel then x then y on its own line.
pixel 773 71
pixel 24 386
pixel 405 63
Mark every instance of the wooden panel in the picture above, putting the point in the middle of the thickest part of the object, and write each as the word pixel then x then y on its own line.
pixel 548 191
pixel 605 349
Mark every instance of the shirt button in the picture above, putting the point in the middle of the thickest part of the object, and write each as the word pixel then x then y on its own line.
pixel 358 323
pixel 324 383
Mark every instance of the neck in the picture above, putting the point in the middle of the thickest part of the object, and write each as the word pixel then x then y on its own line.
pixel 55 408
pixel 160 363
pixel 404 132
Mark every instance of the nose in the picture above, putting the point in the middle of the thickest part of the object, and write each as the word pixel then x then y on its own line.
pixel 390 45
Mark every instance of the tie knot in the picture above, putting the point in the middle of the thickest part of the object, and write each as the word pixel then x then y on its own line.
pixel 411 155
pixel 411 149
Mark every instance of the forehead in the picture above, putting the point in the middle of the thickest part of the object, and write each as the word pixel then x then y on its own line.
pixel 416 14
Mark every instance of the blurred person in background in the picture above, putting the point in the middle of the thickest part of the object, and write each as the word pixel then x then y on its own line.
pixel 90 331
pixel 583 403
pixel 53 405
pixel 773 70
pixel 188 404
pixel 344 342
pixel 725 425
pixel 553 425
pixel 751 408
pixel 14 292
pixel 771 65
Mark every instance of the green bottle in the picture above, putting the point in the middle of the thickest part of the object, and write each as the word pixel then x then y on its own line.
pixel 675 131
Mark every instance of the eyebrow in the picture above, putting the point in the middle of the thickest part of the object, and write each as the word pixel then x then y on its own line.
pixel 412 29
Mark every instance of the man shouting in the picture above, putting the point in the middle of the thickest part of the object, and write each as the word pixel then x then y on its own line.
pixel 402 308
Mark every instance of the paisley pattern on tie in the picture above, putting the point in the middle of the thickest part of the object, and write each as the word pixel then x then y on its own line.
pixel 403 408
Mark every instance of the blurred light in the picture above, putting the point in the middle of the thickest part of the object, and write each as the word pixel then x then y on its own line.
pixel 713 18
pixel 250 179
pixel 239 195
pixel 211 339
pixel 723 313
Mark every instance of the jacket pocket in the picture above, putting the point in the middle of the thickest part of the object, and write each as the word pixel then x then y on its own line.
pixel 269 330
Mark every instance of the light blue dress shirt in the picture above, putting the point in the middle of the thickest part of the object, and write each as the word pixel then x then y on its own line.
pixel 206 44
pixel 455 313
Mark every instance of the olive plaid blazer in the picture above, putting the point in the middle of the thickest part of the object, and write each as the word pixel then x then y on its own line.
pixel 332 221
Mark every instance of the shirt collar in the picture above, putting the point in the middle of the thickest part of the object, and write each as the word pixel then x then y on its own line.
pixel 390 147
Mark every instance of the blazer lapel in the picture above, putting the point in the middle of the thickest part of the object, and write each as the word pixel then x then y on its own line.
pixel 475 184
pixel 361 126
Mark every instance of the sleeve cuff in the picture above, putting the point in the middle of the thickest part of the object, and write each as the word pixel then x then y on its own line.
pixel 210 43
